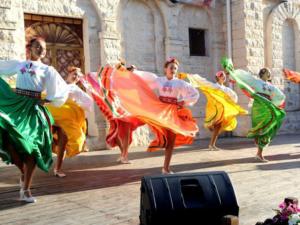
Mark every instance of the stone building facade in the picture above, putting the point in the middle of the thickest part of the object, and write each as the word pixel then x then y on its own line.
pixel 146 32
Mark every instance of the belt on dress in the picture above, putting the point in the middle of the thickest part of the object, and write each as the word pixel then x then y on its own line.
pixel 265 95
pixel 170 100
pixel 28 93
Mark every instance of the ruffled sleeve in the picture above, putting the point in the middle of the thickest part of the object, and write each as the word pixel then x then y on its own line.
pixel 232 94
pixel 148 77
pixel 9 67
pixel 196 80
pixel 80 97
pixel 278 97
pixel 57 90
pixel 189 94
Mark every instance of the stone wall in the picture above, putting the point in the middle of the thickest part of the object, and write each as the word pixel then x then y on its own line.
pixel 12 39
pixel 145 33
pixel 278 53
pixel 260 38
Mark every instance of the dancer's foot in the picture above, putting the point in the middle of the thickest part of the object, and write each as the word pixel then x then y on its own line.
pixel 260 158
pixel 124 160
pixel 86 149
pixel 25 196
pixel 213 148
pixel 59 174
pixel 166 172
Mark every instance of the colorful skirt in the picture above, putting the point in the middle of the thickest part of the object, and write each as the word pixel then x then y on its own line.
pixel 292 75
pixel 118 128
pixel 220 110
pixel 266 120
pixel 161 141
pixel 130 99
pixel 26 126
pixel 71 118
pixel 266 117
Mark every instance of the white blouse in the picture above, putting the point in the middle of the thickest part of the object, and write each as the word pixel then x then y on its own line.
pixel 174 88
pixel 259 86
pixel 36 76
pixel 80 97
pixel 202 81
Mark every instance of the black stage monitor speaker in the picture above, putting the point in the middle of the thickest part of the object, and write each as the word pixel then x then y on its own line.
pixel 187 199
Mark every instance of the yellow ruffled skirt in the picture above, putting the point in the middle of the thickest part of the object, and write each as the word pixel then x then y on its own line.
pixel 71 118
pixel 220 110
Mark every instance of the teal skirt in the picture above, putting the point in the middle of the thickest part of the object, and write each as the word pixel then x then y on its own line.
pixel 25 125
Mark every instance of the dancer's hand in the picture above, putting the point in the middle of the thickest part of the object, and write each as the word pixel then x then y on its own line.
pixel 182 76
pixel 43 102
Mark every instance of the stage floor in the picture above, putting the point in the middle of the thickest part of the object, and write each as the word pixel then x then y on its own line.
pixel 99 191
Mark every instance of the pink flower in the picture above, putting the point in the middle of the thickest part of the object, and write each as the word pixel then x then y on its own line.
pixel 32 72
pixel 23 70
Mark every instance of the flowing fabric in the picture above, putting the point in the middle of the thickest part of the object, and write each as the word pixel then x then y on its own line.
pixel 124 96
pixel 292 75
pixel 120 125
pixel 26 126
pixel 71 118
pixel 266 115
pixel 221 109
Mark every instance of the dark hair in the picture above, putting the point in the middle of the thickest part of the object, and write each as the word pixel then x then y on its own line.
pixel 171 60
pixel 131 68
pixel 71 69
pixel 33 40
pixel 263 72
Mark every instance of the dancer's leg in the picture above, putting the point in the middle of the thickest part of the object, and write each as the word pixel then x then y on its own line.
pixel 61 145
pixel 169 151
pixel 215 134
pixel 259 155
pixel 29 169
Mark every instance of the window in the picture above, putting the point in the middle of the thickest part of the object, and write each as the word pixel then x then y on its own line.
pixel 197 42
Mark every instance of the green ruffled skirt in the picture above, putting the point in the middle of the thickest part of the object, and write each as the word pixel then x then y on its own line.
pixel 266 117
pixel 266 120
pixel 26 125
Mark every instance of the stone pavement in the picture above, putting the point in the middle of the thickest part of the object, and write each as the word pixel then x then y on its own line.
pixel 99 191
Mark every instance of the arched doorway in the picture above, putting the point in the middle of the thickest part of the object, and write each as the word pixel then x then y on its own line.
pixel 63 37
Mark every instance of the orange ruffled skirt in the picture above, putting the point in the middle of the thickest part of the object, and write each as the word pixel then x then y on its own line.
pixel 126 100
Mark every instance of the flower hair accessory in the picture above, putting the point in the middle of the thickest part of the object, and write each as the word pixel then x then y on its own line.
pixel 171 60
pixel 220 74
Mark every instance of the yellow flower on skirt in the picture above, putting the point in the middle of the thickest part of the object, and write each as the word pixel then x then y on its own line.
pixel 71 118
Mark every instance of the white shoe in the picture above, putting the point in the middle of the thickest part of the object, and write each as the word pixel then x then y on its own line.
pixel 59 174
pixel 164 172
pixel 25 196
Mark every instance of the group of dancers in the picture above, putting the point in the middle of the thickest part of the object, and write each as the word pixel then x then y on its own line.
pixel 45 113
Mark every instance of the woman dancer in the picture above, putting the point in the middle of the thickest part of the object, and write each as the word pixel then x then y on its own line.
pixel 69 121
pixel 131 96
pixel 25 124
pixel 221 107
pixel 267 110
